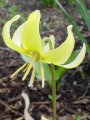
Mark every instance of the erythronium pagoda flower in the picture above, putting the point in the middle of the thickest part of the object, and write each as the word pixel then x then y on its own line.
pixel 27 40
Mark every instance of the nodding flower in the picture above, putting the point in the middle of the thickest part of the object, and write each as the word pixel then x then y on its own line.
pixel 27 40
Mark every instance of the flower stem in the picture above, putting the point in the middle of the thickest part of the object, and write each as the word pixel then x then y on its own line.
pixel 53 92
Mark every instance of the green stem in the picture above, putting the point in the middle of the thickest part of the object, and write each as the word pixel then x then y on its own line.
pixel 53 92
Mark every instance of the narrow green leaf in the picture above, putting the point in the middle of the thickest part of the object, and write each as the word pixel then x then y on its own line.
pixel 80 36
pixel 59 72
pixel 73 56
pixel 81 5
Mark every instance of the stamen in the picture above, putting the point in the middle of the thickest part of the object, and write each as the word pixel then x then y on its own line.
pixel 21 68
pixel 32 77
pixel 28 70
pixel 42 75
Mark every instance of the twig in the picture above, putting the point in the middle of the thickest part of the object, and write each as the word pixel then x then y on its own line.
pixel 9 108
pixel 27 103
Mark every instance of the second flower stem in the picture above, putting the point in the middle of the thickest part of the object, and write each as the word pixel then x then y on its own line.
pixel 53 91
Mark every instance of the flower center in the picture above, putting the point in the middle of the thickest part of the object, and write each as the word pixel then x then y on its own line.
pixel 36 56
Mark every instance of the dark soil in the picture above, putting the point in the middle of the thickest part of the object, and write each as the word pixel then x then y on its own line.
pixel 74 97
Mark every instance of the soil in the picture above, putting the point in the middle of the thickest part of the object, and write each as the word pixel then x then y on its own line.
pixel 74 96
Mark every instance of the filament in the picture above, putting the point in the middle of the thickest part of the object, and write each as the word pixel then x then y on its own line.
pixel 28 70
pixel 21 68
pixel 32 77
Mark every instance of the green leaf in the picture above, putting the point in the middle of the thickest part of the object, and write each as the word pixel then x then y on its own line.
pixel 13 10
pixel 2 4
pixel 81 5
pixel 71 20
pixel 73 56
pixel 71 1
pixel 59 72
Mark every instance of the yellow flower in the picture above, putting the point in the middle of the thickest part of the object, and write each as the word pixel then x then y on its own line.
pixel 27 40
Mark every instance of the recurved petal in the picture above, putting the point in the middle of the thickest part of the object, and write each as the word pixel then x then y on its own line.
pixel 6 35
pixel 31 39
pixel 18 33
pixel 61 54
pixel 78 60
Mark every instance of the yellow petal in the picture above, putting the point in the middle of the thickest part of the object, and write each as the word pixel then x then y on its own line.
pixel 61 54
pixel 43 118
pixel 6 35
pixel 78 60
pixel 17 34
pixel 31 39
